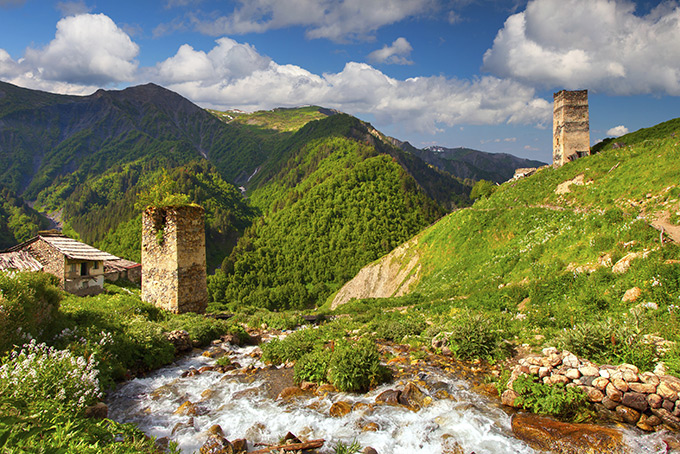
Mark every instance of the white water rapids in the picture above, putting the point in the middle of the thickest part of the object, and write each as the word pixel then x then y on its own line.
pixel 466 419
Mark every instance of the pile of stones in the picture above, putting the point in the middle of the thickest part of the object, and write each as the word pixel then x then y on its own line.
pixel 649 400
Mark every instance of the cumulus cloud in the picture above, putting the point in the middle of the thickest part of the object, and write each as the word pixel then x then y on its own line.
pixel 337 20
pixel 598 44
pixel 617 131
pixel 234 75
pixel 396 53
pixel 87 49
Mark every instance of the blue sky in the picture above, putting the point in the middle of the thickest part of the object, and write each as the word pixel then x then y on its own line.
pixel 474 73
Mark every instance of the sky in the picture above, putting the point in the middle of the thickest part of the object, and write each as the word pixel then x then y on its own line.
pixel 472 73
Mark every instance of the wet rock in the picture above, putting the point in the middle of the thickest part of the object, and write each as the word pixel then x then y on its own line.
pixel 557 437
pixel 214 352
pixel 217 444
pixel 370 427
pixel 627 414
pixel 390 397
pixel 363 408
pixel 609 404
pixel 291 392
pixel 187 409
pixel 324 390
pixel 97 411
pixel 240 445
pixel 412 397
pixel 256 432
pixel 594 394
pixel 232 339
pixel 291 438
pixel 340 409
pixel 369 450
pixel 180 339
pixel 667 418
pixel 215 429
pixel 205 369
pixel 182 426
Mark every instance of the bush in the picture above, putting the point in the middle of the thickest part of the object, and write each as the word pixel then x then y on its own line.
pixel 356 367
pixel 475 336
pixel 39 372
pixel 29 304
pixel 397 327
pixel 554 400
pixel 313 366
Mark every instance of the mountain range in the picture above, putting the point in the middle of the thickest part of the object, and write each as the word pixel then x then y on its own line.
pixel 307 173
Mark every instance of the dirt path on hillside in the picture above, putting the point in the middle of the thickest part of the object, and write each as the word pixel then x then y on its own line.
pixel 662 223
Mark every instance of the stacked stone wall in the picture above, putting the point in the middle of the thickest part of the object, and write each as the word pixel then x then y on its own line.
pixel 649 400
pixel 173 258
pixel 52 260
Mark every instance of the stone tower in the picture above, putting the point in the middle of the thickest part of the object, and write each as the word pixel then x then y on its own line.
pixel 173 258
pixel 571 126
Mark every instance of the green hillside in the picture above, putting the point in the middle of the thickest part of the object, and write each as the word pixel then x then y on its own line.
pixel 542 265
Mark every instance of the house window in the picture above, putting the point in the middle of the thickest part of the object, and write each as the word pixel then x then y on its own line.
pixel 83 269
pixel 95 266
pixel 74 267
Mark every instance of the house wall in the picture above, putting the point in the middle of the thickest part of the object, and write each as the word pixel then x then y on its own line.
pixel 52 260
pixel 173 259
pixel 571 126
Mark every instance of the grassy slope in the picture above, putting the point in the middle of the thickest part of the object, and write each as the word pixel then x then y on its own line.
pixel 529 250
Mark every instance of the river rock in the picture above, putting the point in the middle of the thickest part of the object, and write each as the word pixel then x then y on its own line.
pixel 667 417
pixel 638 401
pixel 594 394
pixel 340 409
pixel 188 408
pixel 614 393
pixel 654 400
pixel 589 371
pixel 650 378
pixel 509 397
pixel 600 383
pixel 217 444
pixel 291 392
pixel 324 390
pixel 240 445
pixel 644 388
pixel 572 374
pixel 609 404
pixel 664 390
pixel 547 434
pixel 627 414
pixel 620 384
pixel 97 411
pixel 230 338
pixel 369 450
pixel 390 397
pixel 412 397
pixel 570 361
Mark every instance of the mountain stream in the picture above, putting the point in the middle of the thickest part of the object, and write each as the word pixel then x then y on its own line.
pixel 464 421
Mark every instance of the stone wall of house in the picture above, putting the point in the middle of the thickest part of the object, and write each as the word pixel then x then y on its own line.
pixel 52 260
pixel 173 258
pixel 571 126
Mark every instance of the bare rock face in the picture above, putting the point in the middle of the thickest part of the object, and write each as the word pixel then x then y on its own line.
pixel 544 433
pixel 392 275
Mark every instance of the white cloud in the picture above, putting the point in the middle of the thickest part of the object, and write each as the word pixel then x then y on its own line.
pixel 617 131
pixel 337 20
pixel 597 44
pixel 234 75
pixel 88 49
pixel 396 54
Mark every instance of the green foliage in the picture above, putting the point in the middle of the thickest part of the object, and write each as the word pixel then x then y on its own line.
pixel 161 194
pixel 394 327
pixel 313 366
pixel 482 189
pixel 355 366
pixel 610 341
pixel 473 336
pixel 29 303
pixel 554 400
pixel 342 448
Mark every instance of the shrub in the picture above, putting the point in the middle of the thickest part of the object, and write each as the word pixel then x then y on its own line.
pixel 39 372
pixel 397 327
pixel 29 303
pixel 476 336
pixel 313 366
pixel 556 400
pixel 356 367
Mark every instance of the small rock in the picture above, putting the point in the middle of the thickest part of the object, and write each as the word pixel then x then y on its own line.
pixel 571 361
pixel 558 378
pixel 589 371
pixel 620 384
pixel 637 401
pixel 543 372
pixel 572 374
pixel 654 400
pixel 340 409
pixel 508 398
pixel 628 414
pixel 217 444
pixel 412 397
pixel 614 393
pixel 650 378
pixel 594 394
pixel 643 388
pixel 600 383
pixel 369 450
pixel 97 411
pixel 290 393
pixel 609 404
pixel 631 295
pixel 180 339
pixel 390 397
pixel 665 391
pixel 240 445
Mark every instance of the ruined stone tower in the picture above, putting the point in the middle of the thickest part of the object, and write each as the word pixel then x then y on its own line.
pixel 571 126
pixel 173 258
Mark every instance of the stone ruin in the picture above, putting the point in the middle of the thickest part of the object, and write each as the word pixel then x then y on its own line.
pixel 173 258
pixel 571 126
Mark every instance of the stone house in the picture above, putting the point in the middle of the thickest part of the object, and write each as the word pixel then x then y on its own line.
pixel 79 267
pixel 123 269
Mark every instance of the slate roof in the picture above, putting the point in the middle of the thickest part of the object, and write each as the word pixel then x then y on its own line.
pixel 119 265
pixel 69 247
pixel 19 261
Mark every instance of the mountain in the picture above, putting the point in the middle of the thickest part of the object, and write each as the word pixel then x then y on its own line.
pixel 467 163
pixel 584 256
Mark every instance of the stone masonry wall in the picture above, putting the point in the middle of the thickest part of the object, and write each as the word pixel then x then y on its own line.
pixel 53 261
pixel 571 126
pixel 173 258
